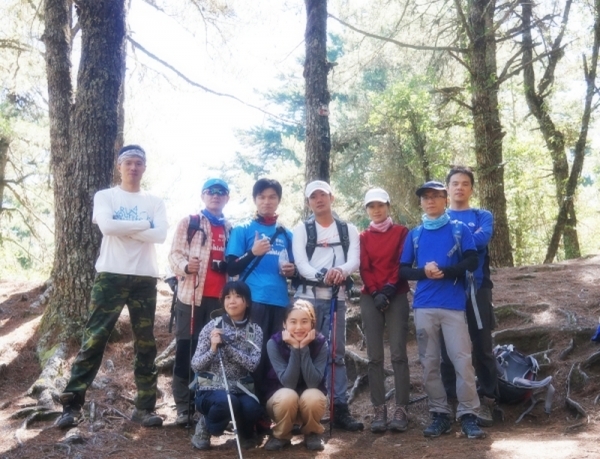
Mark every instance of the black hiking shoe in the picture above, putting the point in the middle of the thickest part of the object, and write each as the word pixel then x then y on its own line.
pixel 441 424
pixel 469 426
pixel 146 418
pixel 70 417
pixel 72 403
pixel 276 444
pixel 344 420
pixel 314 442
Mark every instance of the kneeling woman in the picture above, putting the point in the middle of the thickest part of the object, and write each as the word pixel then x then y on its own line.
pixel 295 381
pixel 240 341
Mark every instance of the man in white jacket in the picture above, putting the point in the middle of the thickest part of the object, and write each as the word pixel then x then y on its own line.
pixel 326 251
pixel 131 222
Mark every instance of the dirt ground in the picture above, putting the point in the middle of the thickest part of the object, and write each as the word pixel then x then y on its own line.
pixel 543 307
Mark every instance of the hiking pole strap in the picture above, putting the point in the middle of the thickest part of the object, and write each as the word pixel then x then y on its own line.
pixel 473 293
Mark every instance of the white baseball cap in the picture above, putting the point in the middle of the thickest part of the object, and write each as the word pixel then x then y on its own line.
pixel 377 195
pixel 317 185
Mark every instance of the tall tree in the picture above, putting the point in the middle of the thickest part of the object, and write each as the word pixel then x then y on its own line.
pixel 481 56
pixel 537 95
pixel 590 70
pixel 316 68
pixel 82 139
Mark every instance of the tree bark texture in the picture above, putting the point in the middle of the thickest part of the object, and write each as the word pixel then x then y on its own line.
pixel 590 72
pixel 316 68
pixel 555 139
pixel 83 137
pixel 4 144
pixel 487 126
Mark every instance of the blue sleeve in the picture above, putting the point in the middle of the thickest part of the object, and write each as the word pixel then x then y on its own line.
pixel 236 246
pixel 485 229
pixel 408 252
pixel 467 241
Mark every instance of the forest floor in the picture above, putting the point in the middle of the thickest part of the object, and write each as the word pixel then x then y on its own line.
pixel 538 308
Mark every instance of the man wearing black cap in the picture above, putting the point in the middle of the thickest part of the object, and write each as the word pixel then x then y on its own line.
pixel 437 254
pixel 131 222
pixel 197 258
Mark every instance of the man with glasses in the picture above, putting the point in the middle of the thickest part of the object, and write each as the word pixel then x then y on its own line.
pixel 437 254
pixel 197 257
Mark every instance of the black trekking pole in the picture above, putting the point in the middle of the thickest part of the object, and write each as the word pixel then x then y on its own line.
pixel 332 335
pixel 190 374
pixel 235 430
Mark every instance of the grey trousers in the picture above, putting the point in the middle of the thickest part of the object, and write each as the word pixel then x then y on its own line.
pixel 340 389
pixel 453 326
pixel 395 317
pixel 181 369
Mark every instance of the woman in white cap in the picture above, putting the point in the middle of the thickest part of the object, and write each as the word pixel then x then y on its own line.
pixel 383 302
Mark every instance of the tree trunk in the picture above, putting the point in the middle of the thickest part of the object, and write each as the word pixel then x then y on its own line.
pixel 4 143
pixel 82 149
pixel 316 68
pixel 555 139
pixel 486 125
pixel 567 204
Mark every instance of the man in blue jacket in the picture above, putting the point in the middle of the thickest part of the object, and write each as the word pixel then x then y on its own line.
pixel 460 181
pixel 437 254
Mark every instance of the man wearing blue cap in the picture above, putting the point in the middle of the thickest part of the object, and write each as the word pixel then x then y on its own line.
pixel 197 259
pixel 438 254
pixel 131 221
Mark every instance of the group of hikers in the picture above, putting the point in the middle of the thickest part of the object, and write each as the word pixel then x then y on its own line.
pixel 245 355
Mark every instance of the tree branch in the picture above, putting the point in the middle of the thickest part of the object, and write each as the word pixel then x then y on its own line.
pixel 204 88
pixel 556 52
pixel 398 43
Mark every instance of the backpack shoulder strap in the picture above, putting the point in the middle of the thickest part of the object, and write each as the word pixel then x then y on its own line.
pixel 344 236
pixel 457 236
pixel 193 228
pixel 416 235
pixel 311 237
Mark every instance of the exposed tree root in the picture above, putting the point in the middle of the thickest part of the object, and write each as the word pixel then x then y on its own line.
pixel 536 337
pixel 44 389
pixel 566 351
pixel 572 404
pixel 363 340
pixel 166 359
pixel 358 383
pixel 595 357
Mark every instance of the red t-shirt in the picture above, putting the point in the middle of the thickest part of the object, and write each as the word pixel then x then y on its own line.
pixel 215 281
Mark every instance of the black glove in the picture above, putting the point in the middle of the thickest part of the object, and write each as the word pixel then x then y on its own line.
pixel 389 291
pixel 381 301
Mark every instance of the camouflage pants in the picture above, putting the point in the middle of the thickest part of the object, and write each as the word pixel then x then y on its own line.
pixel 110 293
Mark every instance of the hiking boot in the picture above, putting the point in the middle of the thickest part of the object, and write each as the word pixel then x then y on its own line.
pixel 399 421
pixel 344 420
pixel 441 424
pixel 201 437
pixel 72 403
pixel 379 422
pixel 183 417
pixel 146 418
pixel 469 426
pixel 314 442
pixel 70 417
pixel 485 418
pixel 276 444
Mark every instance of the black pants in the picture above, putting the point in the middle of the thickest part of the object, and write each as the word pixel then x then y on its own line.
pixel 483 356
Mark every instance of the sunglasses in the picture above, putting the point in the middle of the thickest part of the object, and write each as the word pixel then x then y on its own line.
pixel 215 191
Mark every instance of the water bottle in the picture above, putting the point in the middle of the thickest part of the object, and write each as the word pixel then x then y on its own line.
pixel 283 259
